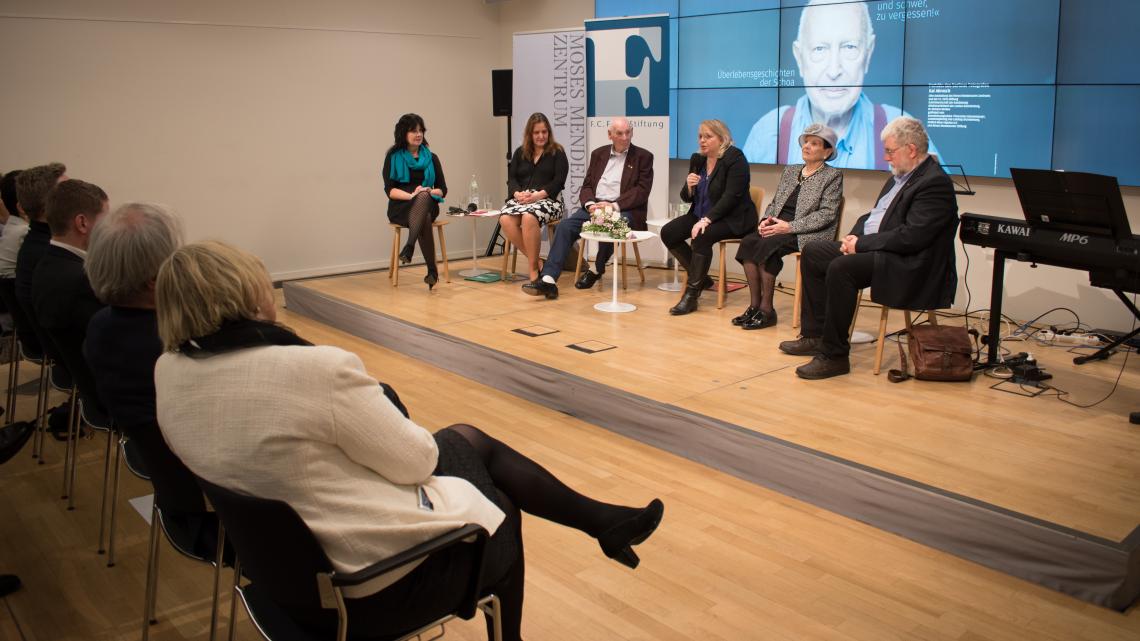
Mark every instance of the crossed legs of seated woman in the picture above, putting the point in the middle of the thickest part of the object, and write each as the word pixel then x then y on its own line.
pixel 515 484
pixel 419 230
pixel 525 232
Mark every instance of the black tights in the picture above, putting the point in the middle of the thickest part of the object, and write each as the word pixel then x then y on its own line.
pixel 529 487
pixel 536 491
pixel 419 228
pixel 761 285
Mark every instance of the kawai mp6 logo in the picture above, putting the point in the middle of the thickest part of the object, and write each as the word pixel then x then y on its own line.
pixel 627 66
pixel 1076 239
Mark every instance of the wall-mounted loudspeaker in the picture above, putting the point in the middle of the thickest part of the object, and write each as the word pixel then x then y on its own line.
pixel 501 92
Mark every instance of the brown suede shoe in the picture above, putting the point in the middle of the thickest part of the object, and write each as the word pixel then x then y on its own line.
pixel 802 346
pixel 824 367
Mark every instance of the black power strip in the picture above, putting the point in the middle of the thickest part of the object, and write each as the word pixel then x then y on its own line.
pixel 1029 372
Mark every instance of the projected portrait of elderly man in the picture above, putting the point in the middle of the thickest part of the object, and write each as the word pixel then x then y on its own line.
pixel 832 50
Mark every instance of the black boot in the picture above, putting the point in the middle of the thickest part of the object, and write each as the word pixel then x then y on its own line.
pixel 432 277
pixel 698 270
pixel 682 253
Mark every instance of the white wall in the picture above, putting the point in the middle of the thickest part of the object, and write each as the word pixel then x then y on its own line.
pixel 263 123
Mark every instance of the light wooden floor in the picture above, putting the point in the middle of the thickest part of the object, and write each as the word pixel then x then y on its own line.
pixel 1076 467
pixel 731 560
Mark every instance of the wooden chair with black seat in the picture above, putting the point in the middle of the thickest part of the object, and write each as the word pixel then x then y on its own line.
pixel 757 194
pixel 797 297
pixel 292 582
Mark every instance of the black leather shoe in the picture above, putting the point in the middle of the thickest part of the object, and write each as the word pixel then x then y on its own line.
pixel 587 280
pixel 824 367
pixel 802 346
pixel 708 283
pixel 58 422
pixel 760 320
pixel 431 279
pixel 541 288
pixel 748 314
pixel 618 541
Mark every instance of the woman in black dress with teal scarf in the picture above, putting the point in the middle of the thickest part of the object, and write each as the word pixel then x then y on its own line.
pixel 414 183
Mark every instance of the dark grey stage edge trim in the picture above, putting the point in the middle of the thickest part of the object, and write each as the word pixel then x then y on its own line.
pixel 1090 568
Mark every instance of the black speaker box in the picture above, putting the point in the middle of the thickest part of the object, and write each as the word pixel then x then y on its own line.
pixel 501 92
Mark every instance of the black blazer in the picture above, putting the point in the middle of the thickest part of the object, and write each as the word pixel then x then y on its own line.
pixel 31 252
pixel 64 304
pixel 915 265
pixel 548 174
pixel 728 191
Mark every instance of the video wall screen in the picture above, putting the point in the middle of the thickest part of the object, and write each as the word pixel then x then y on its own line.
pixel 999 83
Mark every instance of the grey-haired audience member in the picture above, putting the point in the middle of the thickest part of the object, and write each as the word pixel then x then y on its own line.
pixel 126 250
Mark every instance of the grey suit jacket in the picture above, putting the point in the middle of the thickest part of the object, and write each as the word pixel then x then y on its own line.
pixel 817 208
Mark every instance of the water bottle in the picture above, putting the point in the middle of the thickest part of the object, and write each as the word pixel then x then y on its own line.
pixel 473 196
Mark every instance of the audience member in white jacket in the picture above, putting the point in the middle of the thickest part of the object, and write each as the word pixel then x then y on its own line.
pixel 250 406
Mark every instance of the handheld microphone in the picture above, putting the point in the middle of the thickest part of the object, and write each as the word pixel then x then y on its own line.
pixel 695 168
pixel 695 164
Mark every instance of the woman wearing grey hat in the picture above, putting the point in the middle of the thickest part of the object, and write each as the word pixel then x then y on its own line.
pixel 805 208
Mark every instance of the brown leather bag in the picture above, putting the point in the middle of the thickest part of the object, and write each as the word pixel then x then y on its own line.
pixel 939 352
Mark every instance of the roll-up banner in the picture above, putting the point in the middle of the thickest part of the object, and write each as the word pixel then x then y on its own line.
pixel 550 77
pixel 627 74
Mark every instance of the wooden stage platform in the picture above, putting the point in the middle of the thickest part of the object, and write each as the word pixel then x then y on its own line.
pixel 1031 486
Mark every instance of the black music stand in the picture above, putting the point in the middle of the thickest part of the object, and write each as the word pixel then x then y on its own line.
pixel 1072 202
pixel 1080 203
pixel 957 175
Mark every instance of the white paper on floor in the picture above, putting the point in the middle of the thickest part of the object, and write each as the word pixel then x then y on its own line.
pixel 143 505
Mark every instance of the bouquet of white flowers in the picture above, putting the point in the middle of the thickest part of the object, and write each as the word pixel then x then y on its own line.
pixel 607 220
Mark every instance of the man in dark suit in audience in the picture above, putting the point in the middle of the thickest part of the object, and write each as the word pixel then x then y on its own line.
pixel 620 175
pixel 903 249
pixel 32 188
pixel 61 294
